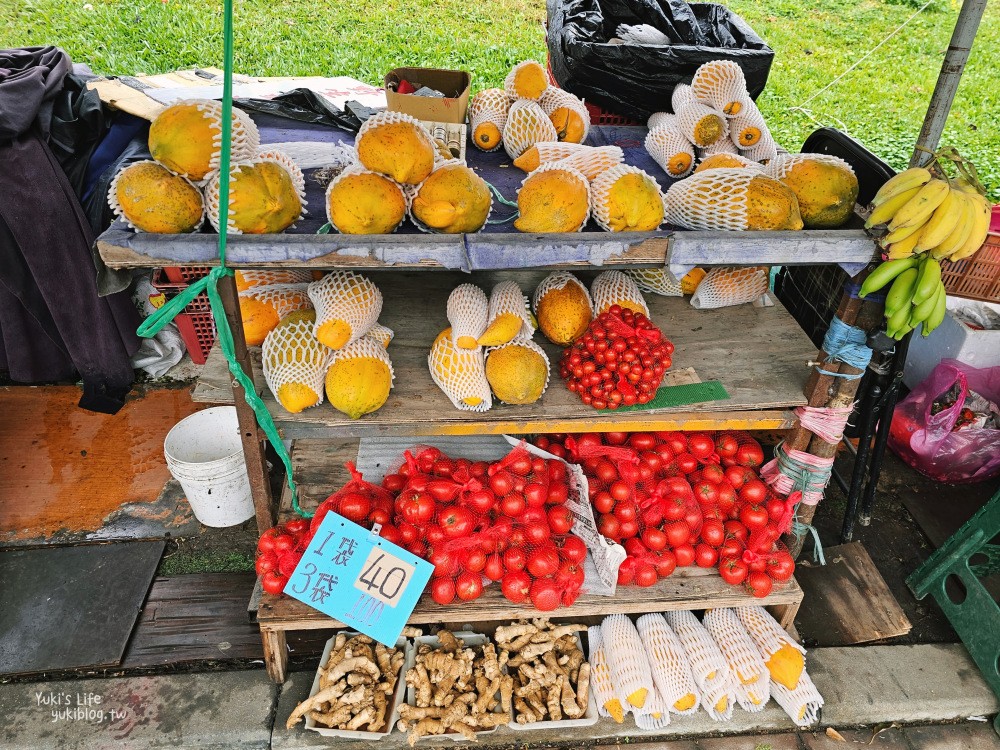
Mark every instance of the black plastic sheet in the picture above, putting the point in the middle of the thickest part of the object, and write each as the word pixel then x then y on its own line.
pixel 636 80
pixel 305 106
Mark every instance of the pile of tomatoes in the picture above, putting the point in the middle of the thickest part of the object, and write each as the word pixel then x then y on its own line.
pixel 478 522
pixel 675 499
pixel 279 550
pixel 619 361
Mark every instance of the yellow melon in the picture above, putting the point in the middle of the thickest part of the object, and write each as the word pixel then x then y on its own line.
pixel 518 372
pixel 563 308
pixel 363 202
pixel 453 200
pixel 396 145
pixel 553 200
pixel 152 199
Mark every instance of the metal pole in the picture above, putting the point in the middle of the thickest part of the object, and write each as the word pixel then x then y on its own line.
pixel 955 58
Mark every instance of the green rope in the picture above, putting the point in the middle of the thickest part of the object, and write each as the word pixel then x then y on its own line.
pixel 209 284
pixel 493 188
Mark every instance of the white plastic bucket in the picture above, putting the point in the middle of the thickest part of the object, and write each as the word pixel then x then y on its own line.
pixel 205 455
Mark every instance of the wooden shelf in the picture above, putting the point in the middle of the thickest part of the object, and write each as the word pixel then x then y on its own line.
pixel 758 353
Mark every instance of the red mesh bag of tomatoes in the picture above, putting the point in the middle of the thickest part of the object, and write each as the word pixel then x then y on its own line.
pixel 279 550
pixel 739 448
pixel 619 361
pixel 360 501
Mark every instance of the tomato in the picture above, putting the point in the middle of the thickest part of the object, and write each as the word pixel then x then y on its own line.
pixel 645 575
pixel 543 561
pixel 678 533
pixel 713 473
pixel 443 590
pixel 625 511
pixel 666 455
pixel 605 472
pixel 609 526
pixel 706 493
pixel 713 533
pixel 457 521
pixel 469 586
pixel 434 534
pixel 266 541
pixel 543 442
pixel 675 441
pixel 737 530
pixel 750 454
pixel 558 493
pixel 775 509
pixel 712 513
pixel 573 549
pixel 545 594
pixel 726 445
pixel 537 532
pixel 684 555
pixel 297 526
pixel 273 582
pixel 665 563
pixel 480 501
pixel 754 517
pixel 603 502
pixel 570 574
pixel 628 529
pixel 445 564
pixel 762 540
pixel 635 547
pixel 284 543
pixel 475 561
pixel 754 492
pixel 408 533
pixel 535 494
pixel 515 585
pixel 379 516
pixel 390 534
pixel 394 483
pixel 653 515
pixel 700 445
pixel 520 464
pixel 560 519
pixel 642 441
pixel 733 570
pixel 731 547
pixel 693 518
pixel 441 490
pixel 758 584
pixel 515 558
pixel 418 509
pixel 626 571
pixel 501 483
pixel 494 569
pixel 479 469
pixel 654 539
pixel 512 505
pixel 781 566
pixel 621 490
pixel 615 438
pixel 266 561
pixel 727 497
pixel 705 556
pixel 686 463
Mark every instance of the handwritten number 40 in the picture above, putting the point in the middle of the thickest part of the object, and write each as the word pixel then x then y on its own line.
pixel 391 583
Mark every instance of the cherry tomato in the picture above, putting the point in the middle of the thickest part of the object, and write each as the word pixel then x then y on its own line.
pixel 543 561
pixel 273 582
pixel 646 575
pixel 713 533
pixel 469 586
pixel 733 570
pixel 443 590
pixel 684 555
pixel 515 585
pixel 560 519
pixel 573 549
pixel 678 533
pixel 758 584
pixel 654 539
pixel 705 556
pixel 545 594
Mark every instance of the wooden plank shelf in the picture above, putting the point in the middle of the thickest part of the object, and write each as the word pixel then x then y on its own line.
pixel 758 353
pixel 318 468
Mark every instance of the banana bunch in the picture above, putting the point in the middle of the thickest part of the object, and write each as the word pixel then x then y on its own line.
pixel 928 214
pixel 916 295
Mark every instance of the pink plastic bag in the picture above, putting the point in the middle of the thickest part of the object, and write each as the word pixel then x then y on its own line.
pixel 926 441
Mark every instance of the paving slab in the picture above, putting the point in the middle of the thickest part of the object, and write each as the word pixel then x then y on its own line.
pixel 969 736
pixel 754 742
pixel 888 739
pixel 215 710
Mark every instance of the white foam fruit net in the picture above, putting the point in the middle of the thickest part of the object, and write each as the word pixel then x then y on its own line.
pixel 550 151
pixel 315 154
pixel 508 83
pixel 348 297
pixel 461 374
pixel 283 298
pixel 489 105
pixel 364 347
pixel 721 84
pixel 119 211
pixel 244 136
pixel 291 166
pixel 802 704
pixel 572 173
pixel 213 197
pixel 557 280
pixel 752 680
pixel 526 126
pixel 527 344
pixel 671 150
pixel 385 117
pixel 655 281
pixel 721 146
pixel 247 279
pixel 468 313
pixel 681 97
pixel 748 127
pixel 343 182
pixel 555 98
pixel 592 161
pixel 628 662
pixel 600 674
pixel 782 164
pixel 658 716
pixel 382 334
pixel 615 288
pixel 765 150
pixel 291 355
pixel 765 631
pixel 692 118
pixel 713 199
pixel 600 191
pixel 724 287
pixel 708 665
pixel 661 120
pixel 669 663
pixel 740 159
pixel 507 298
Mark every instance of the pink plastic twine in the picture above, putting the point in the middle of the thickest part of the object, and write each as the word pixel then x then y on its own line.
pixel 792 470
pixel 826 423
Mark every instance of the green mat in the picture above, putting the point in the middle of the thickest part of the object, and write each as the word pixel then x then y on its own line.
pixel 679 395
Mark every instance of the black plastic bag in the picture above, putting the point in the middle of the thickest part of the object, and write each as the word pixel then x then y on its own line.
pixel 303 105
pixel 637 80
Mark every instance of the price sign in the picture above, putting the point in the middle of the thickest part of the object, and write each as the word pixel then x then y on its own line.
pixel 355 576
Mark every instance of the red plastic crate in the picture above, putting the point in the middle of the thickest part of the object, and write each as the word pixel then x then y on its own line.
pixel 195 324
pixel 185 274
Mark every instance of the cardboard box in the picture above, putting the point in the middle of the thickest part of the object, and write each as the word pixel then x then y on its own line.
pixel 454 84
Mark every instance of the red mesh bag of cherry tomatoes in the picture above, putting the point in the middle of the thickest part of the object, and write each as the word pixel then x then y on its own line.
pixel 619 361
pixel 359 501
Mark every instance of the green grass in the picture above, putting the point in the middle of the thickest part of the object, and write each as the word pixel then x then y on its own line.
pixel 881 102
pixel 185 560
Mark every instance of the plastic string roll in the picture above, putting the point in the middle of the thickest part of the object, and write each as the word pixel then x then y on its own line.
pixel 209 284
pixel 826 423
pixel 847 344
pixel 792 469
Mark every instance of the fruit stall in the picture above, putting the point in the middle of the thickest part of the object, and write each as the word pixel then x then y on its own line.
pixel 390 310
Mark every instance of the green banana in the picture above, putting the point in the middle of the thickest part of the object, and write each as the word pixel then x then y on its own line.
pixel 940 310
pixel 901 292
pixel 899 318
pixel 923 310
pixel 928 280
pixel 886 273
pixel 902 331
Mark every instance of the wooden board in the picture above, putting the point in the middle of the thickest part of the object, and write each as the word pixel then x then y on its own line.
pixel 758 353
pixel 71 607
pixel 849 602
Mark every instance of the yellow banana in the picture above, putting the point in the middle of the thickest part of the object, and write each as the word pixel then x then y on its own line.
pixel 965 186
pixel 921 206
pixel 885 211
pixel 967 208
pixel 900 183
pixel 980 229
pixel 903 248
pixel 901 234
pixel 942 222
